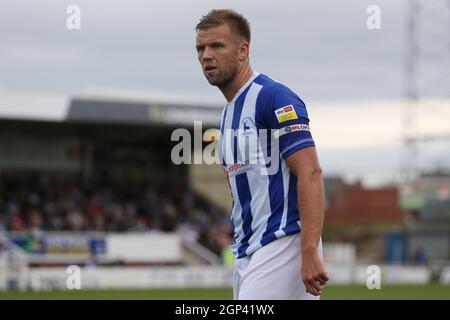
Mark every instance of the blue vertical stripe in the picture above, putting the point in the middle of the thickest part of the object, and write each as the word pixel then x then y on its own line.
pixel 291 228
pixel 245 197
pixel 238 105
pixel 276 193
pixel 242 185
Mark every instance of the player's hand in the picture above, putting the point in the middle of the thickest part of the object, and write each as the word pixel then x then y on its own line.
pixel 314 275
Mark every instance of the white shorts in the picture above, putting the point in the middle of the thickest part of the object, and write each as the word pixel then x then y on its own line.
pixel 273 272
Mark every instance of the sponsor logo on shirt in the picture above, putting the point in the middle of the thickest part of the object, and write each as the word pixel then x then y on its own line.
pixel 237 168
pixel 292 128
pixel 286 113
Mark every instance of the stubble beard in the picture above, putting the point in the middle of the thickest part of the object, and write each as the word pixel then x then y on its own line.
pixel 224 78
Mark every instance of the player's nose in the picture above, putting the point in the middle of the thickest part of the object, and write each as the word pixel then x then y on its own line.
pixel 207 55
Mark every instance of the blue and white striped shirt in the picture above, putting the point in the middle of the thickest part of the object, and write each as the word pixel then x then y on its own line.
pixel 264 200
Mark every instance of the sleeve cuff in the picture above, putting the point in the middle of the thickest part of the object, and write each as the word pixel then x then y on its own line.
pixel 300 144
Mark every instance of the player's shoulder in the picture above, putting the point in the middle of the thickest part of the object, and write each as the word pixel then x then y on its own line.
pixel 275 98
pixel 274 92
pixel 269 85
pixel 273 89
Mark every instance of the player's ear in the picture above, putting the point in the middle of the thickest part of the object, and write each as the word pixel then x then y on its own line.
pixel 244 50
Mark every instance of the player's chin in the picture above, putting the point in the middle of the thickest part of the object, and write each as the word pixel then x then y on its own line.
pixel 213 80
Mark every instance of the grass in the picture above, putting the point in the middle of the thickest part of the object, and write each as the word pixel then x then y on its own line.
pixel 344 292
pixel 388 292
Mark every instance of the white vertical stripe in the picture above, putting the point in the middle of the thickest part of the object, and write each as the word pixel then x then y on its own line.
pixel 219 141
pixel 227 141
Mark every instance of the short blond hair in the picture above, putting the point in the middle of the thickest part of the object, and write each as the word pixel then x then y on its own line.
pixel 216 17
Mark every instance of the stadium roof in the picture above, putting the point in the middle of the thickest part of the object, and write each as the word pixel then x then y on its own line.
pixel 104 107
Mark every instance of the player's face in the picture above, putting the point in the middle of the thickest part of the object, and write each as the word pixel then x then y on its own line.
pixel 218 54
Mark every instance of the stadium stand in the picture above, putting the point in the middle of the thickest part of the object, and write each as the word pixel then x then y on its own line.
pixel 42 202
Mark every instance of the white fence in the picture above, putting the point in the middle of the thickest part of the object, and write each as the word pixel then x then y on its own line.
pixel 445 275
pixel 79 247
pixel 133 277
pixel 202 277
pixel 340 261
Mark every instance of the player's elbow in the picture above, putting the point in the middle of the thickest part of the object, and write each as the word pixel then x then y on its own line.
pixel 316 171
pixel 311 173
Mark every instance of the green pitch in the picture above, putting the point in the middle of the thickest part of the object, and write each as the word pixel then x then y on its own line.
pixel 331 293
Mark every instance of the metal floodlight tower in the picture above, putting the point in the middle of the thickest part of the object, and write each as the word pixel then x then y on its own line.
pixel 427 75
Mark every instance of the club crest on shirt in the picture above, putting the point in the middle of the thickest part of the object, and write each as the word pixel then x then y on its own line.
pixel 286 113
pixel 247 127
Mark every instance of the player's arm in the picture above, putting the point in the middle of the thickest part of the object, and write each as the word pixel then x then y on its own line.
pixel 287 113
pixel 304 164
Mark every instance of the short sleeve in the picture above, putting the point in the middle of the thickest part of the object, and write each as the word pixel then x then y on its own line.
pixel 286 113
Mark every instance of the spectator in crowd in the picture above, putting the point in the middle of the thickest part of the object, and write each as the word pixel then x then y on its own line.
pixel 43 203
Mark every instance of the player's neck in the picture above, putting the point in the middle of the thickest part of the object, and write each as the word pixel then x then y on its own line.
pixel 238 82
